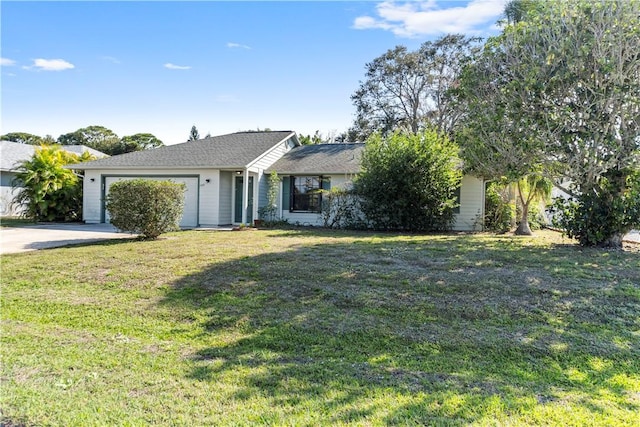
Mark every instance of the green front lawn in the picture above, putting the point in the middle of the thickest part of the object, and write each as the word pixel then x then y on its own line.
pixel 321 328
pixel 12 221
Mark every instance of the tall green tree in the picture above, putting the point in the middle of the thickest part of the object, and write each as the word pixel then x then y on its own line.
pixel 96 137
pixel 498 141
pixel 46 189
pixel 137 142
pixel 194 135
pixel 558 93
pixel 24 138
pixel 408 181
pixel 409 90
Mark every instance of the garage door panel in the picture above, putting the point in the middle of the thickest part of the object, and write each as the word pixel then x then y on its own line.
pixel 190 214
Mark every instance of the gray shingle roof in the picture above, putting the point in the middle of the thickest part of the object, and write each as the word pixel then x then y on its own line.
pixel 320 159
pixel 235 150
pixel 79 149
pixel 13 153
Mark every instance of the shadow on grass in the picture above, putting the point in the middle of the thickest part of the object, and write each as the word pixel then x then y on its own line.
pixel 402 329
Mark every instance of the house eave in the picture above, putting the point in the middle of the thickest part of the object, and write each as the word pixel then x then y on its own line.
pixel 145 167
pixel 314 172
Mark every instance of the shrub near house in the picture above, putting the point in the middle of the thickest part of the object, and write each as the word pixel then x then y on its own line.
pixel 146 207
pixel 408 181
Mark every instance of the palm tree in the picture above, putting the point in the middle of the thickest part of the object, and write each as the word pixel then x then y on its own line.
pixel 530 188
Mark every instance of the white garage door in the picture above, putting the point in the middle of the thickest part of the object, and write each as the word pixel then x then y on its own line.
pixel 190 214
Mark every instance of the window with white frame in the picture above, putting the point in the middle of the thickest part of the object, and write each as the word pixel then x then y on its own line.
pixel 306 194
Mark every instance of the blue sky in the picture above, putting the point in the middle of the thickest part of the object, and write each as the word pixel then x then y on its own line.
pixel 161 67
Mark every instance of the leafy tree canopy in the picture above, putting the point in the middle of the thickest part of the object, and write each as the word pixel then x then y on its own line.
pixel 106 141
pixel 138 142
pixel 25 138
pixel 558 94
pixel 96 137
pixel 409 90
pixel 316 138
pixel 47 190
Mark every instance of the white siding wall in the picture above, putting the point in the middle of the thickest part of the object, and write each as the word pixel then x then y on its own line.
pixel 226 197
pixel 92 197
pixel 8 194
pixel 303 218
pixel 471 205
pixel 271 156
pixel 207 201
pixel 209 197
pixel 263 163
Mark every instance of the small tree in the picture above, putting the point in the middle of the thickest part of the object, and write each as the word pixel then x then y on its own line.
pixel 146 207
pixel 408 181
pixel 268 212
pixel 48 191
pixel 194 135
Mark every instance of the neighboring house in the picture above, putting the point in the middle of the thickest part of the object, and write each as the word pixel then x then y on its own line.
pixel 227 178
pixel 12 154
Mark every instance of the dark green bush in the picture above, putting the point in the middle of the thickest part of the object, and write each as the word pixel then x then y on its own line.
pixel 602 215
pixel 408 182
pixel 499 213
pixel 146 207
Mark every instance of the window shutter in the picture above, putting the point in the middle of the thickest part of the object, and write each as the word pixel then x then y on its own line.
pixel 456 195
pixel 286 192
pixel 326 182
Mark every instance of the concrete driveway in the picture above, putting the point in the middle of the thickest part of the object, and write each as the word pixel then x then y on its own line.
pixel 634 236
pixel 43 236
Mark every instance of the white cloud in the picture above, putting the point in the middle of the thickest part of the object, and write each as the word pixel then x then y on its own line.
pixel 50 65
pixel 171 66
pixel 6 62
pixel 422 18
pixel 110 59
pixel 237 46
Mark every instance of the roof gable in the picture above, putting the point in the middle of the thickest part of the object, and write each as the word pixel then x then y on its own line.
pixel 321 159
pixel 235 150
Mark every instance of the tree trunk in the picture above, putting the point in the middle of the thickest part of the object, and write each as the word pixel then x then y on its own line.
pixel 614 241
pixel 524 229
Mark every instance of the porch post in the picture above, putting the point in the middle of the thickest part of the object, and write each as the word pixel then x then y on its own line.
pixel 245 196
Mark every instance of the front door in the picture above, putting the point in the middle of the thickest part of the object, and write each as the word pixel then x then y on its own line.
pixel 238 200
